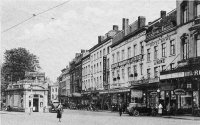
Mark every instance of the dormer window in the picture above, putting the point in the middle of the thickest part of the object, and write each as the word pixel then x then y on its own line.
pixel 197 8
pixel 184 12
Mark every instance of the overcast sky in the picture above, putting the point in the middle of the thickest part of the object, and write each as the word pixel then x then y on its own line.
pixel 55 36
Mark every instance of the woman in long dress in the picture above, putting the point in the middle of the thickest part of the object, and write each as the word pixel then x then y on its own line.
pixel 59 112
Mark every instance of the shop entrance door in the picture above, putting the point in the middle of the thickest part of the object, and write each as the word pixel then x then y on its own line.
pixel 35 104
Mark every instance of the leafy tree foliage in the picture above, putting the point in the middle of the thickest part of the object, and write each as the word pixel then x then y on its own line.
pixel 17 62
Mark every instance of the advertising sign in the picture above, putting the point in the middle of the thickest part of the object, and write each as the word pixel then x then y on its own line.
pixel 104 70
pixel 179 92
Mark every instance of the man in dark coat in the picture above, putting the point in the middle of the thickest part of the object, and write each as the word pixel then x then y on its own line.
pixel 59 112
pixel 120 109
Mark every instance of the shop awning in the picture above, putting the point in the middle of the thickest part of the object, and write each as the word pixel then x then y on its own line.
pixel 190 67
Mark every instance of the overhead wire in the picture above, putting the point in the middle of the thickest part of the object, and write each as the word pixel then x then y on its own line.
pixel 34 15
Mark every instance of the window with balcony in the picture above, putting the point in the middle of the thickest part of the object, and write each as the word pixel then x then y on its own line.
pixel 97 55
pixel 123 74
pixel 155 72
pixel 148 55
pixel 172 47
pixel 148 73
pixel 129 52
pixel 118 57
pixel 94 68
pixel 155 52
pixel 184 12
pixel 134 50
pixel 163 50
pixel 123 55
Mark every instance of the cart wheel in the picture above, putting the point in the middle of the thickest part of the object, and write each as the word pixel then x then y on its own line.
pixel 136 113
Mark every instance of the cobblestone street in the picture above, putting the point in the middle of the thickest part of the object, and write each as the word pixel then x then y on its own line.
pixel 75 117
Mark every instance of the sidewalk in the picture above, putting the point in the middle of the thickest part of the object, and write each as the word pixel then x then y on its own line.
pixel 183 117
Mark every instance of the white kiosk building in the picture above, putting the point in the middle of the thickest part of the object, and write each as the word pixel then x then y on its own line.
pixel 30 94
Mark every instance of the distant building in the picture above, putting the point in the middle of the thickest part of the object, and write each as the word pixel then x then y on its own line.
pixel 64 86
pixel 28 94
pixel 54 92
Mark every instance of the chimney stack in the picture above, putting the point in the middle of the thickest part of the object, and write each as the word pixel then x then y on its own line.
pixel 115 27
pixel 162 13
pixel 100 38
pixel 125 24
pixel 141 21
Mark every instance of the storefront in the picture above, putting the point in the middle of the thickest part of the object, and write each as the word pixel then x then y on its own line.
pixel 113 97
pixel 182 88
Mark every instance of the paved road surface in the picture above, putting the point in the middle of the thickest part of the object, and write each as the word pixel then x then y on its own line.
pixel 73 117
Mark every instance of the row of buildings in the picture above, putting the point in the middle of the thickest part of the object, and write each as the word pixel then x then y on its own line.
pixel 152 63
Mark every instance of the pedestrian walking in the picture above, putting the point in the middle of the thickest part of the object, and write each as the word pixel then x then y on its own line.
pixel 59 112
pixel 160 107
pixel 120 109
pixel 168 109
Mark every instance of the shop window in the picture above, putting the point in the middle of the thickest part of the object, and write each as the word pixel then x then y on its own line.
pixel 196 99
pixel 186 100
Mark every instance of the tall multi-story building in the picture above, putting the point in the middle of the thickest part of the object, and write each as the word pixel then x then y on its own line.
pixel 127 60
pixel 64 86
pixel 100 65
pixel 161 50
pixel 183 81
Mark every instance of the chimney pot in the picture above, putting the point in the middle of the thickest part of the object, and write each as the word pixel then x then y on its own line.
pixel 115 27
pixel 162 13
